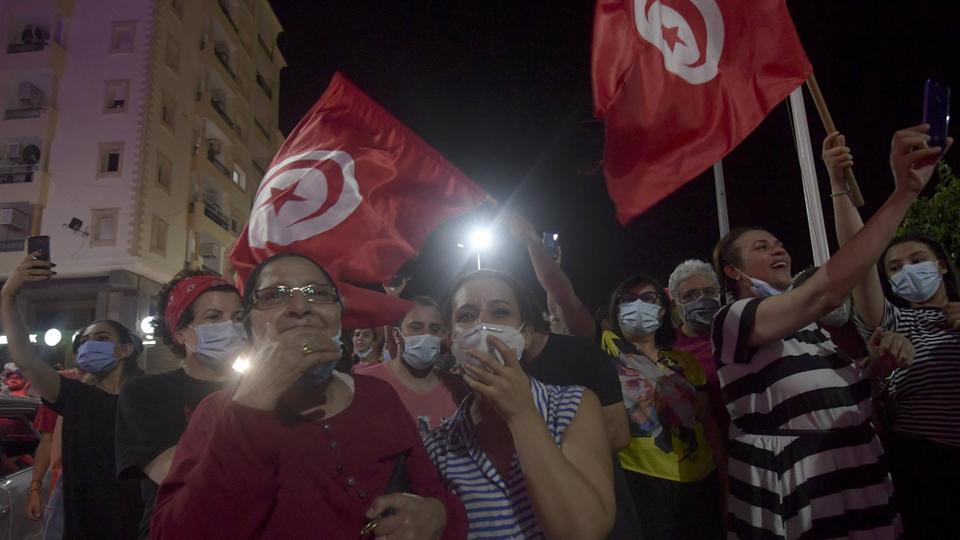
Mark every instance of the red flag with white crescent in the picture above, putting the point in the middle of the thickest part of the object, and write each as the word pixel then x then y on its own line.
pixel 680 83
pixel 359 193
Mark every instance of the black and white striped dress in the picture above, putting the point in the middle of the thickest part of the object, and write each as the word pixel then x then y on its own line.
pixel 804 461
pixel 927 393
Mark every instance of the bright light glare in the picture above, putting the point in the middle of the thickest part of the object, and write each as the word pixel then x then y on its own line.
pixel 481 239
pixel 52 337
pixel 33 338
pixel 556 237
pixel 146 325
pixel 3 340
pixel 241 364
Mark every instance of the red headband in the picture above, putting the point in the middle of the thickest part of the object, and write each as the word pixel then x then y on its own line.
pixel 184 293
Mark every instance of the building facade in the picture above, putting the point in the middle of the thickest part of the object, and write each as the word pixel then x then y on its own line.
pixel 134 134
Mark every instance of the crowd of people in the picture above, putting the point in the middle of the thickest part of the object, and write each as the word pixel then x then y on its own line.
pixel 740 401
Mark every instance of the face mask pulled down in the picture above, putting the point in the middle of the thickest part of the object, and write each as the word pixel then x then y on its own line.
pixel 476 338
pixel 218 343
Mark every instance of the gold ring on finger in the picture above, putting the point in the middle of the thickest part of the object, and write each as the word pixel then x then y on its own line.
pixel 306 349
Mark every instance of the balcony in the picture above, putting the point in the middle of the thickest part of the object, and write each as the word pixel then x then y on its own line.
pixel 264 85
pixel 212 211
pixel 259 168
pixel 224 59
pixel 25 47
pixel 212 158
pixel 261 129
pixel 264 47
pixel 13 173
pixel 226 13
pixel 34 55
pixel 28 112
pixel 222 111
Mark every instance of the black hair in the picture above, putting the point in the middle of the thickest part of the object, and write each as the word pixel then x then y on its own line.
pixel 666 335
pixel 530 313
pixel 250 284
pixel 160 328
pixel 725 253
pixel 124 337
pixel 950 281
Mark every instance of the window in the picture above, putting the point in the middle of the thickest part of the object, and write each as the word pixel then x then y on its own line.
pixel 158 236
pixel 121 38
pixel 177 7
pixel 111 159
pixel 173 54
pixel 239 178
pixel 115 98
pixel 164 171
pixel 104 227
pixel 168 111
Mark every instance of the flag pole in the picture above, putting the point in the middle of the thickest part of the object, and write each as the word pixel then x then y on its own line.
pixel 718 183
pixel 828 124
pixel 808 172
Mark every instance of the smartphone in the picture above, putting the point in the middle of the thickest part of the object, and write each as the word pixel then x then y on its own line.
pixel 551 243
pixel 39 243
pixel 936 111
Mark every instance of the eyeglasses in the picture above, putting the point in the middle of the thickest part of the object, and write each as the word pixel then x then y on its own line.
pixel 648 297
pixel 696 294
pixel 271 297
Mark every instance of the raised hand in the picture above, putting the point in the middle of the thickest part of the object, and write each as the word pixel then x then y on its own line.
pixel 911 160
pixel 836 156
pixel 32 268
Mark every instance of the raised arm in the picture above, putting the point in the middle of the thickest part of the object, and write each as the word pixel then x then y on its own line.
pixel 570 309
pixel 40 374
pixel 778 316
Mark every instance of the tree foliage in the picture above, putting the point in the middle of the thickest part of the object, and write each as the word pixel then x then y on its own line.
pixel 938 216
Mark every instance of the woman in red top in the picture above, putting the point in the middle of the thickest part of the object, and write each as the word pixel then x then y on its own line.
pixel 297 450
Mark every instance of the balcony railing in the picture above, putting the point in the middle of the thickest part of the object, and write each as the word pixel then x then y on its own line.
pixel 16 174
pixel 264 85
pixel 212 211
pixel 224 59
pixel 259 168
pixel 262 129
pixel 26 47
pixel 212 157
pixel 226 13
pixel 264 47
pixel 29 112
pixel 11 245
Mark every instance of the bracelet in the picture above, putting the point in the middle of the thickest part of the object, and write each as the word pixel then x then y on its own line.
pixel 840 193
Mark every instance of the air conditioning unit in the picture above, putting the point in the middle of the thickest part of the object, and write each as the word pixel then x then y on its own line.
pixel 213 145
pixel 30 95
pixel 209 251
pixel 13 219
pixel 13 152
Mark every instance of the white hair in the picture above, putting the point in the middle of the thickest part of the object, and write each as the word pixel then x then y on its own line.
pixel 688 269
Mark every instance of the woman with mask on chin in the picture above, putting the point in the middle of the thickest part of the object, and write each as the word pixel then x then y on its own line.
pixel 529 460
pixel 800 411
pixel 296 449
pixel 914 290
pixel 670 462
pixel 96 504
pixel 201 322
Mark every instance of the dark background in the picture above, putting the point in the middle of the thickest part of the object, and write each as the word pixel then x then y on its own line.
pixel 502 88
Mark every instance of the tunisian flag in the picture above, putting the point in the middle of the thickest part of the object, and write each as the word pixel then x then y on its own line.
pixel 681 82
pixel 359 193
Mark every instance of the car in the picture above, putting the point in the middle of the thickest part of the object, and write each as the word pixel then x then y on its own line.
pixel 19 441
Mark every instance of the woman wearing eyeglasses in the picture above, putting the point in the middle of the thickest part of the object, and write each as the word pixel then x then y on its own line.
pixel 669 463
pixel 298 450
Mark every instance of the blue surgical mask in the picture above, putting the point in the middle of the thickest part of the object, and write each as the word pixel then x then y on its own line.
pixel 318 374
pixel 97 357
pixel 763 289
pixel 639 318
pixel 918 282
pixel 218 343
pixel 421 352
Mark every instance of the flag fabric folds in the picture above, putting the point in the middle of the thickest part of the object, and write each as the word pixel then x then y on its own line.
pixel 359 193
pixel 680 83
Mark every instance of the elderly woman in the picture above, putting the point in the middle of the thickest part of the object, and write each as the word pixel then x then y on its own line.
pixel 804 459
pixel 529 460
pixel 298 450
pixel 96 504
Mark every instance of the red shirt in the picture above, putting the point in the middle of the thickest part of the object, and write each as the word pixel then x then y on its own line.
pixel 428 409
pixel 244 473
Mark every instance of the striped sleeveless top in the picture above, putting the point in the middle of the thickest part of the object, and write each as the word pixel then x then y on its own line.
pixel 497 507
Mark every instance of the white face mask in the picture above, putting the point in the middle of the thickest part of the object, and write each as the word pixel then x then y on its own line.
pixel 422 351
pixel 476 338
pixel 218 342
pixel 366 353
pixel 763 289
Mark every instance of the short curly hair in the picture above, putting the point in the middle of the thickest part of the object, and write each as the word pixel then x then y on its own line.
pixel 688 269
pixel 160 328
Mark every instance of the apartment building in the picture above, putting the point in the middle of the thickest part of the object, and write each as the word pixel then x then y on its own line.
pixel 134 133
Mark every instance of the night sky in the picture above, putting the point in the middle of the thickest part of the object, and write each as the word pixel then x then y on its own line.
pixel 502 89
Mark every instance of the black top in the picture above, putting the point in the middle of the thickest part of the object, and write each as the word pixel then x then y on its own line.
pixel 96 504
pixel 571 360
pixel 152 415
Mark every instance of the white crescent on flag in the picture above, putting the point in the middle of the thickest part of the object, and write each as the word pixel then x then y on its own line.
pixel 303 196
pixel 689 51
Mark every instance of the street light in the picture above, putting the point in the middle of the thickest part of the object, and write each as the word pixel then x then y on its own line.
pixel 146 324
pixel 480 238
pixel 52 337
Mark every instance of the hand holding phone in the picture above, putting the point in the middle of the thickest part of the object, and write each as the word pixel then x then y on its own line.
pixel 39 243
pixel 551 243
pixel 936 112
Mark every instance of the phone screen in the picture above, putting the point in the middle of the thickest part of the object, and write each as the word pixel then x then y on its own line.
pixel 551 242
pixel 39 243
pixel 936 111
